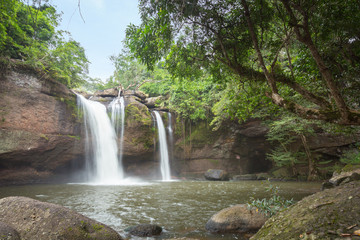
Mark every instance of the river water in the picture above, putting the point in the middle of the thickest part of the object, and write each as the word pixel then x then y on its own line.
pixel 182 208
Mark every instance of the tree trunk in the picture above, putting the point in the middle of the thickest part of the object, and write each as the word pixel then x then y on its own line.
pixel 269 77
pixel 303 35
pixel 312 172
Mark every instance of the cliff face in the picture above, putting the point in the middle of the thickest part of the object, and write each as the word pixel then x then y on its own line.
pixel 238 149
pixel 38 128
pixel 40 136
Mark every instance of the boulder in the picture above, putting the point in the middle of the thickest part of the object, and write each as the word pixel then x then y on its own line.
pixel 216 175
pixel 111 92
pixel 330 214
pixel 8 233
pixel 38 220
pixel 145 230
pixel 341 178
pixel 239 219
pixel 135 93
pixel 245 177
pixel 151 102
pixel 263 176
pixel 337 178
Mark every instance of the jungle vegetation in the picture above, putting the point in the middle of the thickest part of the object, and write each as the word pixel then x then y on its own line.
pixel 28 36
pixel 295 64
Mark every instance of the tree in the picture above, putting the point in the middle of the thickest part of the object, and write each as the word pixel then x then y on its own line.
pixel 28 34
pixel 271 41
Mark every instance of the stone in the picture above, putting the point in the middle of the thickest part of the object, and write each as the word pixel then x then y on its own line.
pixel 111 92
pixel 8 233
pixel 238 219
pixel 263 176
pixel 327 213
pixel 245 177
pixel 216 175
pixel 142 96
pixel 327 185
pixel 151 102
pixel 282 172
pixel 338 178
pixel 145 230
pixel 38 220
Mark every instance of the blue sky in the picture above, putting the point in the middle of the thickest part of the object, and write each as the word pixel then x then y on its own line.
pixel 103 31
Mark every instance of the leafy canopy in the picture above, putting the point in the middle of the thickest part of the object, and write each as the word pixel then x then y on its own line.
pixel 28 33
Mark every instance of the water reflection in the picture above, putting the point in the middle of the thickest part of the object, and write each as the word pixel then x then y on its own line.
pixel 181 208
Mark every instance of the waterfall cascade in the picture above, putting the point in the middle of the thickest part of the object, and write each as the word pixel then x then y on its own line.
pixel 117 107
pixel 164 155
pixel 102 152
pixel 170 137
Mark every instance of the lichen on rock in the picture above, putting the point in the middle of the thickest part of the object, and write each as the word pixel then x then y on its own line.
pixel 329 214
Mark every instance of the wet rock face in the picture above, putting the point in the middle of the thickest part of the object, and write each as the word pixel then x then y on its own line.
pixel 237 219
pixel 138 145
pixel 330 214
pixel 33 219
pixel 237 149
pixel 38 128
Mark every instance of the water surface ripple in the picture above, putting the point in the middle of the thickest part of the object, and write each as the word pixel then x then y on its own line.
pixel 182 207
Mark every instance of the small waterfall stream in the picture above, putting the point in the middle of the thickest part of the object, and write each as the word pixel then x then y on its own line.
pixel 170 137
pixel 164 155
pixel 102 152
pixel 117 107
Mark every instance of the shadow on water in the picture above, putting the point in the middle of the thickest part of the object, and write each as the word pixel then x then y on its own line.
pixel 182 208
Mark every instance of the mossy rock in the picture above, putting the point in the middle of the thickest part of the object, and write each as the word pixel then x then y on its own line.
pixel 33 219
pixel 329 214
pixel 237 219
pixel 283 172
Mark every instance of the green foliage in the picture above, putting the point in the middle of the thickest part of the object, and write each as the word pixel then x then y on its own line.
pixel 285 132
pixel 128 72
pixel 28 34
pixel 242 101
pixel 351 156
pixel 194 37
pixel 270 206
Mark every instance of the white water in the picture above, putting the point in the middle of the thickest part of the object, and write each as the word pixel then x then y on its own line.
pixel 169 124
pixel 117 107
pixel 170 137
pixel 101 146
pixel 164 155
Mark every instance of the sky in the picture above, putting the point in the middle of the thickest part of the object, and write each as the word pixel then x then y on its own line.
pixel 102 32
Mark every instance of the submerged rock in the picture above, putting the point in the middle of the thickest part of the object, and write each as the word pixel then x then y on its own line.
pixel 216 175
pixel 38 220
pixel 239 219
pixel 330 214
pixel 8 233
pixel 145 230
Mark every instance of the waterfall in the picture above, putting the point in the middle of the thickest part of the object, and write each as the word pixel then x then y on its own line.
pixel 169 123
pixel 164 155
pixel 170 137
pixel 117 107
pixel 102 163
